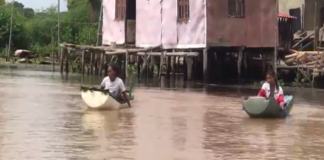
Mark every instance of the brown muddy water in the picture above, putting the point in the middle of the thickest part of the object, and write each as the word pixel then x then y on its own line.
pixel 42 116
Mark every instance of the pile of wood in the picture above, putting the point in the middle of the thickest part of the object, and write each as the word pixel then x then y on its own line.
pixel 306 61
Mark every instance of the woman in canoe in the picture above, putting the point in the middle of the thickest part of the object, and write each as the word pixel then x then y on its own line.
pixel 115 85
pixel 271 87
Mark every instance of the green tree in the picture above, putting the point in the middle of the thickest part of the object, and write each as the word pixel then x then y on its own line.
pixel 87 35
pixel 29 13
pixel 19 38
pixel 37 30
pixel 94 6
pixel 2 2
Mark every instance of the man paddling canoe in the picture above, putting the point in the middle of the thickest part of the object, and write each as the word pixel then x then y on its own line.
pixel 115 85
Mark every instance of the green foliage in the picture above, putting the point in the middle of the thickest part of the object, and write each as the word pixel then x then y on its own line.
pixel 297 78
pixel 281 82
pixel 132 69
pixel 2 2
pixel 38 32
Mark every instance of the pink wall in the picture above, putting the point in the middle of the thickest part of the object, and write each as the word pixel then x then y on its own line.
pixel 112 31
pixel 148 23
pixel 156 24
pixel 169 24
pixel 192 34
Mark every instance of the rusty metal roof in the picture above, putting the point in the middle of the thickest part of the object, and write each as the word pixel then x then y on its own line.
pixel 284 15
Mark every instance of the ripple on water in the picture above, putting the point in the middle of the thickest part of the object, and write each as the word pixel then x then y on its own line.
pixel 43 118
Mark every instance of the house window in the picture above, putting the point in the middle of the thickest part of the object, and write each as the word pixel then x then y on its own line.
pixel 236 8
pixel 120 10
pixel 183 11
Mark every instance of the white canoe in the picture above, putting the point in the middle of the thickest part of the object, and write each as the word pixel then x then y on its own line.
pixel 100 99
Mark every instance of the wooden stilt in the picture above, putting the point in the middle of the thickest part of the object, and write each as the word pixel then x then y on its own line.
pixel 152 65
pixel 161 64
pixel 67 62
pixel 239 64
pixel 61 59
pixel 174 66
pixel 146 58
pixel 168 67
pixel 126 65
pixel 178 64
pixel 138 66
pixel 95 64
pixel 194 66
pixel 245 65
pixel 91 63
pixel 82 62
pixel 101 64
pixel 185 73
pixel 220 57
pixel 205 64
pixel 106 64
pixel 263 62
pixel 189 63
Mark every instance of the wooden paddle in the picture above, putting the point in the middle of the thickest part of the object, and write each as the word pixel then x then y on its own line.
pixel 244 98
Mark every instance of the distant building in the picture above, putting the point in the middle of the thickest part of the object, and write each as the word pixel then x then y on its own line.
pixel 305 11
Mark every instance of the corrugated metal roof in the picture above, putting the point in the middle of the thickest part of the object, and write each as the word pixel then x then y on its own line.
pixel 283 15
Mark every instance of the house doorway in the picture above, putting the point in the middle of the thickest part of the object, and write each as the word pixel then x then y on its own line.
pixel 296 24
pixel 130 24
pixel 321 18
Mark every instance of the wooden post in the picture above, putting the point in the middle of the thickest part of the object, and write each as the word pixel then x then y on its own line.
pixel 194 68
pixel 99 31
pixel 67 62
pixel 82 61
pixel 138 66
pixel 95 63
pixel 152 64
pixel 7 52
pixel 174 66
pixel 10 34
pixel 169 67
pixel 178 64
pixel 91 63
pixel 161 64
pixel 185 71
pixel 276 40
pixel 52 41
pixel 315 25
pixel 189 63
pixel 146 58
pixel 61 59
pixel 101 63
pixel 245 65
pixel 107 64
pixel 263 62
pixel 205 64
pixel 220 57
pixel 126 64
pixel 239 64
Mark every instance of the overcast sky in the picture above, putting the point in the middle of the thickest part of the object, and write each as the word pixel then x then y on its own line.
pixel 39 4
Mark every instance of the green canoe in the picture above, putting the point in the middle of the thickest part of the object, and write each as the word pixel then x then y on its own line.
pixel 259 107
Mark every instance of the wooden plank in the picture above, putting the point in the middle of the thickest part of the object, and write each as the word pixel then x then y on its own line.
pixel 302 40
pixel 188 54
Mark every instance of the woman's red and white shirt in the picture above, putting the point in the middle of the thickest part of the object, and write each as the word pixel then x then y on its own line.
pixel 265 92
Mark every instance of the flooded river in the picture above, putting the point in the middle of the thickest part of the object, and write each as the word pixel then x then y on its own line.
pixel 42 116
